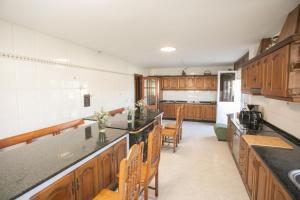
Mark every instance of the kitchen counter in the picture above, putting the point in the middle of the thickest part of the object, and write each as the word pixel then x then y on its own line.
pixel 29 165
pixel 279 160
pixel 139 120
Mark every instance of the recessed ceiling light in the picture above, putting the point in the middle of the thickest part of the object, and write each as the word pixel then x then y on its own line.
pixel 168 49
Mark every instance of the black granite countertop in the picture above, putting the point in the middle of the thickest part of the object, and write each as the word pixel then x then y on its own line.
pixel 138 121
pixel 27 166
pixel 279 161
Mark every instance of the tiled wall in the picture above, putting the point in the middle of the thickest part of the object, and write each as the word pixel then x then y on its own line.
pixel 285 115
pixel 190 95
pixel 35 94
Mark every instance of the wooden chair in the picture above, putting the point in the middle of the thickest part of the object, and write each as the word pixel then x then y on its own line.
pixel 150 167
pixel 180 120
pixel 172 135
pixel 130 176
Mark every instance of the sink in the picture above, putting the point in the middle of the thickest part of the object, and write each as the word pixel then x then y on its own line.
pixel 295 177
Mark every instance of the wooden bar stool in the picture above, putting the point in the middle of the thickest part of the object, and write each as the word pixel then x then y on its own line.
pixel 150 167
pixel 130 176
pixel 172 135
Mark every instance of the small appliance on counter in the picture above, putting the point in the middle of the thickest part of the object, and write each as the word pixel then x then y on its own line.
pixel 252 118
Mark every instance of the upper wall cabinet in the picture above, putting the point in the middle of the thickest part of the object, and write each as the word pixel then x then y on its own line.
pixel 189 82
pixel 276 72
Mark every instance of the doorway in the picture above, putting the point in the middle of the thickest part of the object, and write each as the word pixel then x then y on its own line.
pixel 137 87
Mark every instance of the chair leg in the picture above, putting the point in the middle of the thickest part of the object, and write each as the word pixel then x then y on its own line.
pixel 174 143
pixel 156 184
pixel 146 191
pixel 181 133
pixel 162 141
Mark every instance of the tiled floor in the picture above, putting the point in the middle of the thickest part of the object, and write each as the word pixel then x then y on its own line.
pixel 201 168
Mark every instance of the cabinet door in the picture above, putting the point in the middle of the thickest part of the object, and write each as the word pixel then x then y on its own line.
pixel 214 113
pixel 258 72
pixel 243 159
pixel 190 82
pixel 189 111
pixel 208 112
pixel 166 83
pixel 87 180
pixel 60 190
pixel 120 152
pixel 198 112
pixel 244 79
pixel 199 82
pixel 174 83
pixel 106 170
pixel 276 191
pixel 280 72
pixel 266 65
pixel 251 173
pixel 230 134
pixel 261 189
pixel 181 83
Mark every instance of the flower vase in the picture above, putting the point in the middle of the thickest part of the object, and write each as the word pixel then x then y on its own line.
pixel 101 127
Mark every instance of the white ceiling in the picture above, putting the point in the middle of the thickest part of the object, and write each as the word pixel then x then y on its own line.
pixel 205 32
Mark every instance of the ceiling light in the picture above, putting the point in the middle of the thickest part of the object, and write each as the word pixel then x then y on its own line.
pixel 61 60
pixel 168 49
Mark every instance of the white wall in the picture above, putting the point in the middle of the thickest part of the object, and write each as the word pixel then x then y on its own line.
pixel 189 71
pixel 190 95
pixel 38 93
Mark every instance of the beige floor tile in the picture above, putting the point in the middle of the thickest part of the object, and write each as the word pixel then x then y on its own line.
pixel 201 168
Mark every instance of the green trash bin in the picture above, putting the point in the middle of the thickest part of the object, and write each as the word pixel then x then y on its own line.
pixel 221 131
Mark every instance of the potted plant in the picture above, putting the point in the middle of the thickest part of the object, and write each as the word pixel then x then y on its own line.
pixel 102 118
pixel 141 104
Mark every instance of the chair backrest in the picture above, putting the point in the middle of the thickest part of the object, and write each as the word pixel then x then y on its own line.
pixel 178 114
pixel 182 113
pixel 154 147
pixel 130 173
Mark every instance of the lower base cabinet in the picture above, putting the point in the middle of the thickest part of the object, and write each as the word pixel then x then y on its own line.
pixel 87 180
pixel 257 177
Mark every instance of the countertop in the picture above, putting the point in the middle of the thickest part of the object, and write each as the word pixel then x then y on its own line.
pixel 28 165
pixel 188 102
pixel 139 120
pixel 280 161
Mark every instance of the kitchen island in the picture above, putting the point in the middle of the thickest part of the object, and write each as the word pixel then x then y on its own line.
pixel 32 171
pixel 138 125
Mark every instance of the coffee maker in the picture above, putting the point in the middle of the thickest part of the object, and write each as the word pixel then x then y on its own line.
pixel 252 118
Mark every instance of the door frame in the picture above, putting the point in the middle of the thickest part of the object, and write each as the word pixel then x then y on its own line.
pixel 138 88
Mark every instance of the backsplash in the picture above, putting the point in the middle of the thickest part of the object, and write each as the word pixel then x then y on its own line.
pixel 282 114
pixel 189 95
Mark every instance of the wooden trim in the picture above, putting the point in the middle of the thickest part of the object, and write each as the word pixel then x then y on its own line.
pixel 30 136
pixel 116 111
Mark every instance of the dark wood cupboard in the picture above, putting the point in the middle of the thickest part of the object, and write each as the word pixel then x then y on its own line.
pixel 88 179
pixel 275 72
pixel 189 82
pixel 63 189
pixel 259 180
pixel 201 112
pixel 106 169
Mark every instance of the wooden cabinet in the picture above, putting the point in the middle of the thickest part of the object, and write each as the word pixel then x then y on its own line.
pixel 189 111
pixel 209 113
pixel 168 109
pixel 86 180
pixel 63 189
pixel 166 83
pixel 198 112
pixel 266 65
pixel 181 82
pixel 210 82
pixel 230 130
pixel 243 158
pixel 199 82
pixel 279 73
pixel 190 82
pixel 244 79
pixel 106 169
pixel 259 181
pixel 174 83
pixel 255 75
pixel 276 191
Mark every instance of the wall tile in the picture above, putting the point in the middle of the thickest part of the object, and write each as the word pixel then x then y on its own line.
pixel 8 74
pixel 26 75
